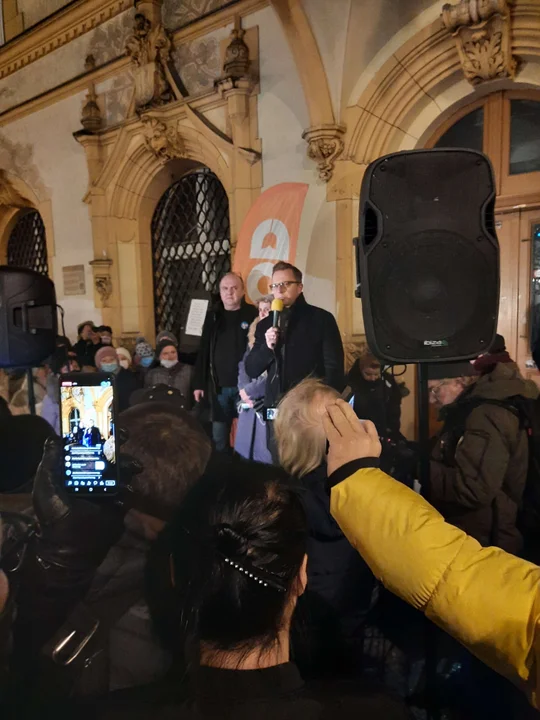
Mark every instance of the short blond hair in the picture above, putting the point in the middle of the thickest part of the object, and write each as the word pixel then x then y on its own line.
pixel 300 438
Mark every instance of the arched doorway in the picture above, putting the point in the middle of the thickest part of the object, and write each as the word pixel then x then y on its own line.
pixel 27 244
pixel 191 245
pixel 506 126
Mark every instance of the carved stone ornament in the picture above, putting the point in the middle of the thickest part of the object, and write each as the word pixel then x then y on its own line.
pixel 325 145
pixel 9 197
pixel 164 141
pixel 237 63
pixel 149 48
pixel 102 279
pixel 91 118
pixel 482 31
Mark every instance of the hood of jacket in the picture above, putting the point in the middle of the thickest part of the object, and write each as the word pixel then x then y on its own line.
pixel 503 382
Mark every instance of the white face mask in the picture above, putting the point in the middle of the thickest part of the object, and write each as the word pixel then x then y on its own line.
pixel 168 364
pixel 124 363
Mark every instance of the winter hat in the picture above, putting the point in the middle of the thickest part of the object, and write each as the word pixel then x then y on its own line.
pixel 166 335
pixel 143 349
pixel 104 353
pixel 164 344
pixel 161 394
pixel 499 345
pixel 123 353
pixel 83 325
pixel 447 371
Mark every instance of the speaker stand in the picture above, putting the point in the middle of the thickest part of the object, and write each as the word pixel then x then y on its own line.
pixel 31 392
pixel 424 474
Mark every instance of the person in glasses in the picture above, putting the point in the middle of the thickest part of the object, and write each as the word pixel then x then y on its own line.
pixel 480 458
pixel 306 343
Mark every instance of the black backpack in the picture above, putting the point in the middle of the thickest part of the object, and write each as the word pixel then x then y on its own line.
pixel 528 412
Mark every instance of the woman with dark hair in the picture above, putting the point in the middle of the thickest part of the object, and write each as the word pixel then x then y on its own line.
pixel 238 560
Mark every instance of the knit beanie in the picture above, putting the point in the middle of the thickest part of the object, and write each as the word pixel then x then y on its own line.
pixel 105 352
pixel 447 371
pixel 166 335
pixel 143 349
pixel 164 344
pixel 123 352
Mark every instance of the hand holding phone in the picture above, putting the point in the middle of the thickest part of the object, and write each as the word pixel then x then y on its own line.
pixel 88 421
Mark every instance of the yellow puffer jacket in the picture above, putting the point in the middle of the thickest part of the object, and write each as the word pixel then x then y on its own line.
pixel 484 597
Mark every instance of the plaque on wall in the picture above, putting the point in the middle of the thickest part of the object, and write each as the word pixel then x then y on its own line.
pixel 74 280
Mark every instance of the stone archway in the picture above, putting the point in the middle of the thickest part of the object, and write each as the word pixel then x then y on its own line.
pixel 164 136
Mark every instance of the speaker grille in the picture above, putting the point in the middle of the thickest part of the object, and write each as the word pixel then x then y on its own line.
pixel 429 265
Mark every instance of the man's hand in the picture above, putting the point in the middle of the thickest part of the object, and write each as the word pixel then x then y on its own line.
pixel 245 398
pixel 198 395
pixel 350 438
pixel 272 335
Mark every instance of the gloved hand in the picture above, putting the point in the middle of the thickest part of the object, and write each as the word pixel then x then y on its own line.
pixel 74 533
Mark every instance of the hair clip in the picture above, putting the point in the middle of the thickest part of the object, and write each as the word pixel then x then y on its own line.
pixel 247 573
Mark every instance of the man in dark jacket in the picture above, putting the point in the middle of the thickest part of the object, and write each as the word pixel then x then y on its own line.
pixel 307 342
pixel 223 344
pixel 480 459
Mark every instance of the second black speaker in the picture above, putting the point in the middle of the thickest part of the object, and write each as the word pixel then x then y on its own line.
pixel 428 256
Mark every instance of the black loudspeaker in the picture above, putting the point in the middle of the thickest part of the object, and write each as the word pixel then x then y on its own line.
pixel 427 258
pixel 28 321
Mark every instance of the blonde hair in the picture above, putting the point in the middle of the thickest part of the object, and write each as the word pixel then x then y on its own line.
pixel 298 427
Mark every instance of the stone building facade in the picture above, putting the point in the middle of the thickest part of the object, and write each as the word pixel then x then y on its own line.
pixel 107 106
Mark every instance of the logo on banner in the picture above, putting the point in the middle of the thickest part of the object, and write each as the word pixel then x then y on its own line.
pixel 269 234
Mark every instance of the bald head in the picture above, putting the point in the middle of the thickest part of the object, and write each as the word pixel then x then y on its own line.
pixel 231 290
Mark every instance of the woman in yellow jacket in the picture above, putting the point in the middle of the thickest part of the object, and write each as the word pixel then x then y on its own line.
pixel 485 598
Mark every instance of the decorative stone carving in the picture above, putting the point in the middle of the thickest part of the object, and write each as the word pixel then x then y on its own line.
pixel 482 31
pixel 164 141
pixel 237 63
pixel 325 145
pixel 102 279
pixel 9 197
pixel 149 47
pixel 91 118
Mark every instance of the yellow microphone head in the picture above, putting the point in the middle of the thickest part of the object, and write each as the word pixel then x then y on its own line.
pixel 277 305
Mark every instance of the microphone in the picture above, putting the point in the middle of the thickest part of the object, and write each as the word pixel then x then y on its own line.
pixel 277 309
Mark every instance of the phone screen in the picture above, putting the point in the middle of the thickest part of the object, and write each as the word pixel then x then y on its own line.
pixel 88 432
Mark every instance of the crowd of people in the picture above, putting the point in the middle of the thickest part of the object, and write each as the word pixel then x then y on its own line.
pixel 267 527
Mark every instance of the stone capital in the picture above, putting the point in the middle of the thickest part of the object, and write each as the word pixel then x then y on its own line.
pixel 482 30
pixel 325 145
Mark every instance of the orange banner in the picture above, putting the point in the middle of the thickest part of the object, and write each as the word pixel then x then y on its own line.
pixel 269 234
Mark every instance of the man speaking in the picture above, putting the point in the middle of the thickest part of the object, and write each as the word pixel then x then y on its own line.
pixel 300 340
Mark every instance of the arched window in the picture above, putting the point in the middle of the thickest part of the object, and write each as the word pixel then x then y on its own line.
pixel 190 245
pixel 27 244
pixel 506 126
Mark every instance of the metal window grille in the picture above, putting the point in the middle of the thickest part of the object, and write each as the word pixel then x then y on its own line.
pixel 27 244
pixel 190 245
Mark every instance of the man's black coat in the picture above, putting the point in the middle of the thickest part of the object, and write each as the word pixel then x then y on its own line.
pixel 311 346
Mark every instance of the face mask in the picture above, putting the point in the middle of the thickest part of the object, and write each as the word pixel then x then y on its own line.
pixel 124 364
pixel 147 361
pixel 109 367
pixel 168 364
pixel 106 340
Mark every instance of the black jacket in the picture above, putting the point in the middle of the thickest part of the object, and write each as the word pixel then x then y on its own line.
pixel 126 384
pixel 378 401
pixel 311 346
pixel 269 694
pixel 328 633
pixel 205 376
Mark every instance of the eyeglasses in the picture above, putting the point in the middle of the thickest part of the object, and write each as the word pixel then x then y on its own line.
pixel 436 389
pixel 283 285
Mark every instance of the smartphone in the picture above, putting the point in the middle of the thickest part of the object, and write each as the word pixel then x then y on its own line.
pixel 87 417
pixel 271 413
